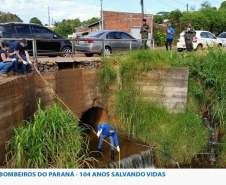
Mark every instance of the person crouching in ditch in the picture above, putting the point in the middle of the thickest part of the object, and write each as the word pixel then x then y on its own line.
pixel 6 63
pixel 104 131
pixel 23 55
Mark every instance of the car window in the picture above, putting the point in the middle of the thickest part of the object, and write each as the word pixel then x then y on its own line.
pixel 96 35
pixel 204 35
pixel 40 30
pixel 23 29
pixel 7 30
pixel 210 35
pixel 222 35
pixel 126 36
pixel 114 35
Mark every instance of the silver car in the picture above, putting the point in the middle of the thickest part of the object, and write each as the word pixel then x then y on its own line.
pixel 222 37
pixel 107 41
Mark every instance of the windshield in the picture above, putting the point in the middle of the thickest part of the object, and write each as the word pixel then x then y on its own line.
pixel 96 34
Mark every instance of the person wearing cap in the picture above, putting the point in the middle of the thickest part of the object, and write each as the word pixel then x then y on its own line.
pixel 23 55
pixel 6 63
pixel 144 33
pixel 170 36
pixel 104 131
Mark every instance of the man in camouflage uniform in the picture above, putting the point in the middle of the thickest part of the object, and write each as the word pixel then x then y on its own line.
pixel 188 37
pixel 144 33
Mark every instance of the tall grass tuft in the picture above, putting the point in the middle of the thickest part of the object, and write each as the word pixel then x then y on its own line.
pixel 52 139
pixel 106 76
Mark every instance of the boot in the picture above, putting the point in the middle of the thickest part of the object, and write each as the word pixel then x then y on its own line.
pixel 112 155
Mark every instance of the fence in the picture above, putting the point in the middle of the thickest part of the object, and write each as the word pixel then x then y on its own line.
pixel 89 46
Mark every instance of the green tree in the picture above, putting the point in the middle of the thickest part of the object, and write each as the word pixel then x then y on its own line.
pixel 158 19
pixel 35 20
pixel 223 5
pixel 90 21
pixel 205 4
pixel 9 17
pixel 198 20
pixel 215 19
pixel 67 27
pixel 175 16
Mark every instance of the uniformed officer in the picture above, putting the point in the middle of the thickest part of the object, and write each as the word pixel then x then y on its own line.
pixel 188 37
pixel 144 33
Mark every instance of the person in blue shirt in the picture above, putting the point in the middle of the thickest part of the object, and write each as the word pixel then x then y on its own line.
pixel 6 63
pixel 170 36
pixel 105 130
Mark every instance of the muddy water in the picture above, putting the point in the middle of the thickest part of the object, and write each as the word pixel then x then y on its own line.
pixel 128 148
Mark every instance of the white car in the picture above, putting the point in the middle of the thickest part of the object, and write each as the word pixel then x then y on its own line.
pixel 202 39
pixel 222 37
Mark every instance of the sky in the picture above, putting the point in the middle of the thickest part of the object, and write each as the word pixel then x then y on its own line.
pixel 85 9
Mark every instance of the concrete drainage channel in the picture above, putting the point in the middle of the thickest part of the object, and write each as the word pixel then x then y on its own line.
pixel 78 89
pixel 76 83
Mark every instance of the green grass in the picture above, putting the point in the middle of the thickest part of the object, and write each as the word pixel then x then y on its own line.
pixel 52 139
pixel 106 76
pixel 180 135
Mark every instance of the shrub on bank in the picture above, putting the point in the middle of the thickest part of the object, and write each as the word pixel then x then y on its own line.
pixel 51 139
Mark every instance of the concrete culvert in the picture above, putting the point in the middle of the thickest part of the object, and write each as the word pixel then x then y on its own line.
pixel 92 117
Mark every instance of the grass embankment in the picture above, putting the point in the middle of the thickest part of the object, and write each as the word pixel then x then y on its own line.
pixel 51 139
pixel 180 135
pixel 209 74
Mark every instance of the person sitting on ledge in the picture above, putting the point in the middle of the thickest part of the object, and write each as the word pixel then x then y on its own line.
pixel 23 55
pixel 6 63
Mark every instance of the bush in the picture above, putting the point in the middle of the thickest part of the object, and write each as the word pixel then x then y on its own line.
pixel 52 139
pixel 160 38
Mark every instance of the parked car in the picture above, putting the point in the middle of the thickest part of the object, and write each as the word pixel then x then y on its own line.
pixel 222 37
pixel 202 39
pixel 113 41
pixel 48 42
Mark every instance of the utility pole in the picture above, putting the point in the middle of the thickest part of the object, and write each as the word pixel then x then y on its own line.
pixel 187 6
pixel 49 16
pixel 142 8
pixel 102 15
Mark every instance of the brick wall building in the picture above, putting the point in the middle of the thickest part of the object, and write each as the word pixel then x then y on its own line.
pixel 125 21
pixel 121 21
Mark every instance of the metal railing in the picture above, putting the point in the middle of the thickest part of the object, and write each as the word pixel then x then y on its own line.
pixel 97 46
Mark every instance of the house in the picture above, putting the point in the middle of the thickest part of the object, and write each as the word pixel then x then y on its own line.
pixel 121 21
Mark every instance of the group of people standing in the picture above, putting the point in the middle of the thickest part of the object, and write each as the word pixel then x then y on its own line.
pixel 170 35
pixel 14 57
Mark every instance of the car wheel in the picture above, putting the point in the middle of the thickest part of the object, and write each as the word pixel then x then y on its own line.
pixel 199 47
pixel 179 49
pixel 107 51
pixel 220 45
pixel 66 51
pixel 89 54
